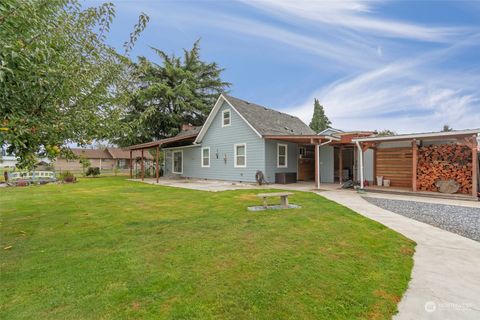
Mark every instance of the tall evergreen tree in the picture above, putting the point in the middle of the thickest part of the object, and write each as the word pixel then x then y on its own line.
pixel 320 120
pixel 175 92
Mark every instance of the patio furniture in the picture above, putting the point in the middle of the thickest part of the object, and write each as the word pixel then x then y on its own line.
pixel 283 198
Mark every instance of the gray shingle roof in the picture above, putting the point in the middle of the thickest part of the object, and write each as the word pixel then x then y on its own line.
pixel 267 121
pixel 190 131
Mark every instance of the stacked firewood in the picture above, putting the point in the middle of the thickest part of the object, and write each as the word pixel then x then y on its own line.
pixel 444 162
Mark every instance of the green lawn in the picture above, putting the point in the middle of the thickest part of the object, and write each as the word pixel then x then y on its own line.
pixel 108 248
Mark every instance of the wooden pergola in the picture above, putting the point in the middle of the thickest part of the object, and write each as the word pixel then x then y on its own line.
pixel 316 140
pixel 186 138
pixel 467 138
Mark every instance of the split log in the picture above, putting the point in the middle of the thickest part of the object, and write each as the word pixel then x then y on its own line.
pixel 444 162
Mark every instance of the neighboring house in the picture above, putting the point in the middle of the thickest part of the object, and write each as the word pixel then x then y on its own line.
pixel 331 131
pixel 10 161
pixel 105 159
pixel 7 160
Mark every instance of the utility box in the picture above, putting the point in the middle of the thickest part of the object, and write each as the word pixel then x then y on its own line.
pixel 285 177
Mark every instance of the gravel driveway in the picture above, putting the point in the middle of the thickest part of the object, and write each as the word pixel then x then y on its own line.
pixel 464 221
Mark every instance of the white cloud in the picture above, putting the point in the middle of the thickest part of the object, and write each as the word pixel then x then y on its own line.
pixel 355 15
pixel 345 50
pixel 414 93
pixel 402 96
pixel 386 84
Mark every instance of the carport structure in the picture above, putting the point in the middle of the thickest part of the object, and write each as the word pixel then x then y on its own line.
pixel 396 158
pixel 186 136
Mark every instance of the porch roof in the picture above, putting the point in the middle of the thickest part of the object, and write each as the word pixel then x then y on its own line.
pixel 425 135
pixel 159 143
pixel 305 139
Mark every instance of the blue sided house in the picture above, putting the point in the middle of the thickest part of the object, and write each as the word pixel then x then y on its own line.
pixel 240 138
pixel 241 141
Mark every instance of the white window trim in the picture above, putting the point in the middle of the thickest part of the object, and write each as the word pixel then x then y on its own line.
pixel 201 157
pixel 235 155
pixel 229 118
pixel 173 161
pixel 278 155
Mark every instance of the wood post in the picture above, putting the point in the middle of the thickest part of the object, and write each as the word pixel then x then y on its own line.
pixel 414 164
pixel 340 164
pixel 142 167
pixel 375 166
pixel 157 173
pixel 131 165
pixel 474 167
pixel 317 166
pixel 355 164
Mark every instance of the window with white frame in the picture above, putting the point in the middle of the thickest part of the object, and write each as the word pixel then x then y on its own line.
pixel 206 157
pixel 177 161
pixel 282 156
pixel 226 118
pixel 240 151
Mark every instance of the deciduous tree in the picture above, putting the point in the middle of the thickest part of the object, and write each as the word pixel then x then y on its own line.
pixel 446 128
pixel 386 132
pixel 59 80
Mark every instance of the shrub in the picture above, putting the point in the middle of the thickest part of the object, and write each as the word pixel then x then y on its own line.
pixel 93 171
pixel 85 164
pixel 22 183
pixel 67 176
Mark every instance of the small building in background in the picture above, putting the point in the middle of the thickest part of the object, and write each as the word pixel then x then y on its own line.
pixel 108 159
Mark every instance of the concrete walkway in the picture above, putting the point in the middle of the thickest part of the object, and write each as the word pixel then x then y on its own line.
pixel 446 274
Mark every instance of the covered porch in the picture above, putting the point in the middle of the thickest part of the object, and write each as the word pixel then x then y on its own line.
pixel 186 137
pixel 308 158
pixel 326 159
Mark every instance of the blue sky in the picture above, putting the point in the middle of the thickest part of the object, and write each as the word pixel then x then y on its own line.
pixel 406 66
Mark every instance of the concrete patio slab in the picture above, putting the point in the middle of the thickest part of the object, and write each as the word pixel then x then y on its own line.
pixel 199 184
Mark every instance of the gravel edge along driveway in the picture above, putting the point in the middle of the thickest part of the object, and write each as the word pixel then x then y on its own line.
pixel 463 221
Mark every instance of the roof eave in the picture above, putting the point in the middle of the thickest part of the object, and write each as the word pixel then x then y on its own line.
pixel 310 138
pixel 161 142
pixel 448 134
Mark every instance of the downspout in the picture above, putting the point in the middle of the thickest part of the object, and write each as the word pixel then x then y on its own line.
pixel 361 164
pixel 326 142
pixel 318 159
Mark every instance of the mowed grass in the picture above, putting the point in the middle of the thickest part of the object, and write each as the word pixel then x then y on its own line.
pixel 108 248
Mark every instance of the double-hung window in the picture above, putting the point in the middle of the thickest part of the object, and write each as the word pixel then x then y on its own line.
pixel 240 151
pixel 206 157
pixel 226 118
pixel 282 156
